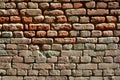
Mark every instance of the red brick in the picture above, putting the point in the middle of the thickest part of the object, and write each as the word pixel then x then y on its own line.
pixel 67 5
pixel 41 34
pixel 101 5
pixel 107 33
pixel 63 33
pixel 44 5
pixel 98 12
pixel 61 19
pixel 26 19
pixel 105 26
pixel 15 19
pixel 78 5
pixel 38 19
pixel 42 40
pixel 55 5
pixel 5 59
pixel 29 60
pixel 53 12
pixel 29 34
pixel 11 72
pixel 4 19
pixel 98 19
pixel 65 40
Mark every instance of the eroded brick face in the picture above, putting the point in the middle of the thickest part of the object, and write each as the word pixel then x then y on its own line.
pixel 59 39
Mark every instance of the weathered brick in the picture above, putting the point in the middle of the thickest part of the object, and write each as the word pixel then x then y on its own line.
pixel 107 33
pixel 12 78
pixel 90 4
pixel 43 5
pixel 22 5
pixel 67 5
pixel 7 34
pixel 18 34
pixel 42 40
pixel 101 46
pixel 85 33
pixel 57 47
pixel 26 19
pixel 56 78
pixel 71 53
pixel 101 5
pixel 50 19
pixel 77 26
pixel 43 73
pixel 19 40
pixel 43 66
pixel 85 59
pixel 51 53
pixel 41 34
pixel 54 72
pixel 113 5
pixel 17 59
pixel 89 46
pixel 29 34
pixel 86 40
pixel 22 72
pixel 64 59
pixel 66 72
pixel 61 19
pixel 55 5
pixel 67 46
pixel 96 78
pixel 21 66
pixel 115 12
pixel 97 72
pixel 4 19
pixel 78 5
pixel 32 5
pixel 15 19
pixel 52 59
pixel 75 12
pixel 11 72
pixel 38 19
pixel 108 65
pixel 97 19
pixel 10 5
pixel 65 66
pixel 84 19
pixel 111 19
pixel 108 40
pixel 108 59
pixel 52 33
pixel 53 12
pixel 64 40
pixel 73 19
pixel 5 65
pixel 97 12
pixel 85 66
pixel 78 46
pixel 96 33
pixel 87 72
pixel 77 72
pixel 32 72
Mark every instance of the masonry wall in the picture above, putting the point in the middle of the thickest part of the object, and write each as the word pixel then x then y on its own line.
pixel 59 39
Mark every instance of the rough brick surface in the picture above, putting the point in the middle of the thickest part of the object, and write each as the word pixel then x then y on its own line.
pixel 59 39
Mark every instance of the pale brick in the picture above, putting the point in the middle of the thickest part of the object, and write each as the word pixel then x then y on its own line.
pixel 77 26
pixel 65 72
pixel 108 65
pixel 75 12
pixel 78 46
pixel 101 46
pixel 12 78
pixel 87 72
pixel 85 66
pixel 54 72
pixel 71 53
pixel 77 72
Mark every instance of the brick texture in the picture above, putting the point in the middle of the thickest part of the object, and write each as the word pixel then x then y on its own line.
pixel 59 39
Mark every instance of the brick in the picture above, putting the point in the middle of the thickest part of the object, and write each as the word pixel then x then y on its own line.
pixel 43 5
pixel 32 72
pixel 111 52
pixel 112 46
pixel 89 46
pixel 55 5
pixel 12 12
pixel 111 19
pixel 5 59
pixel 75 12
pixel 57 47
pixel 97 59
pixel 64 26
pixel 41 59
pixel 117 72
pixel 86 40
pixel 11 72
pixel 46 47
pixel 84 19
pixel 63 33
pixel 108 59
pixel 64 40
pixel 115 12
pixel 54 72
pixel 41 0
pixel 31 12
pixel 77 26
pixel 64 59
pixel 108 65
pixel 52 59
pixel 41 34
pixel 105 26
pixel 18 34
pixel 67 46
pixel 10 5
pixel 29 60
pixel 12 78
pixel 107 33
pixel 2 72
pixel 97 72
pixel 21 66
pixel 96 78
pixel 19 40
pixel 43 66
pixel 65 66
pixel 29 34
pixel 116 33
pixel 52 33
pixel 101 5
pixel 61 19
pixel 101 46
pixel 78 5
pixel 79 0
pixel 7 34
pixel 108 40
pixel 67 5
pixel 74 33
pixel 42 40
pixel 53 12
pixel 15 19
pixel 85 59
pixel 97 19
pixel 56 78
pixel 2 5
pixel 33 47
pixel 74 59
pixel 43 73
pixel 13 27
pixel 77 73
pixel 51 53
pixel 4 19
pixel 17 59
pixel 50 19
pixel 38 19
pixel 5 65
pixel 22 5
pixel 96 33
pixel 71 53
pixel 98 12
pixel 32 5
pixel 73 19
pixel 108 72
pixel 117 59
pixel 2 46
pixel 66 72
pixel 113 5
pixel 3 52
pixel 85 66
pixel 26 19
pixel 85 33
pixel 4 40
pixel 90 4
pixel 78 46
pixel 39 26
pixel 22 72
pixel 87 73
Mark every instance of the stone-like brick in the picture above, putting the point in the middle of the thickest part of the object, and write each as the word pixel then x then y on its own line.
pixel 77 26
pixel 101 5
pixel 73 19
pixel 32 72
pixel 57 47
pixel 97 59
pixel 61 19
pixel 89 46
pixel 22 72
pixel 78 46
pixel 65 72
pixel 22 5
pixel 56 78
pixel 64 40
pixel 5 65
pixel 67 5
pixel 38 19
pixel 43 73
pixel 52 33
pixel 117 72
pixel 46 47
pixel 19 40
pixel 90 4
pixel 54 72
pixel 97 19
pixel 15 19
pixel 108 40
pixel 64 59
pixel 32 5
pixel 78 5
pixel 108 65
pixel 10 5
pixel 55 5
pixel 86 40
pixel 29 34
pixel 74 33
pixel 11 72
pixel 18 34
pixel 117 59
pixel 12 78
pixel 2 5
pixel 111 52
pixel 7 34
pixel 42 40
pixel 17 59
pixel 4 19
pixel 97 72
pixel 67 46
pixel 108 72
pixel 98 12
pixel 41 34
pixel 111 19
pixel 85 66
pixel 52 59
pixel 74 59
pixel 87 72
pixel 75 12
pixel 51 53
pixel 108 59
pixel 85 59
pixel 96 33
pixel 21 66
pixel 85 33
pixel 53 12
pixel 113 5
pixel 50 19
pixel 107 33
pixel 43 5
pixel 115 12
pixel 77 72
pixel 101 46
pixel 96 78
pixel 84 19
pixel 112 46
pixel 43 66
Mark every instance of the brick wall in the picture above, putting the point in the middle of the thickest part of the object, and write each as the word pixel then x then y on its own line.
pixel 59 39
